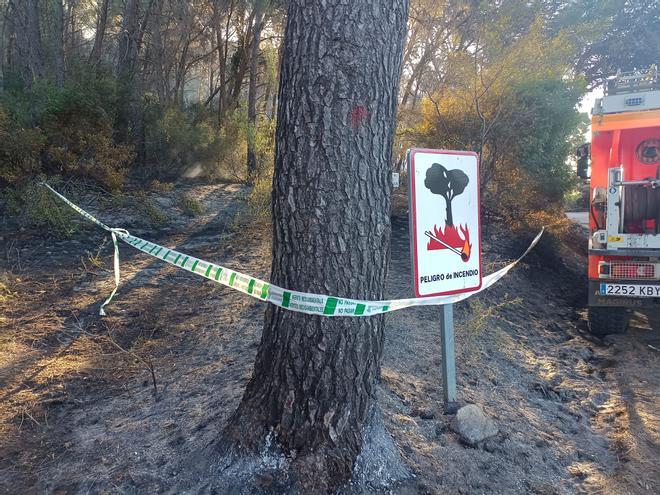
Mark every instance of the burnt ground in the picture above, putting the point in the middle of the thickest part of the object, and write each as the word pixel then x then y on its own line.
pixel 79 414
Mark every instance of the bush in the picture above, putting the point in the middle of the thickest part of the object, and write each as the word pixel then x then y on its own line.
pixel 178 139
pixel 259 198
pixel 187 142
pixel 532 127
pixel 162 187
pixel 20 150
pixel 191 205
pixel 35 206
pixel 231 161
pixel 71 130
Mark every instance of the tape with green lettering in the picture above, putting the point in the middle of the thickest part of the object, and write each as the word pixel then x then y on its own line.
pixel 302 302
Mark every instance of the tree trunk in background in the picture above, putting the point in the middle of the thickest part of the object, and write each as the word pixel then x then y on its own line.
pixel 72 34
pixel 252 91
pixel 101 24
pixel 267 93
pixel 127 52
pixel 417 73
pixel 58 42
pixel 239 62
pixel 314 378
pixel 29 48
pixel 162 75
pixel 223 50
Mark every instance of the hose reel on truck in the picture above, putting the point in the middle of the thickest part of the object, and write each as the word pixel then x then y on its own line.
pixel 641 204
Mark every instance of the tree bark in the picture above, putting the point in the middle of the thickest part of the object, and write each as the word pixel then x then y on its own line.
pixel 223 51
pixel 314 377
pixel 239 62
pixel 126 60
pixel 58 42
pixel 252 90
pixel 30 52
pixel 101 24
pixel 417 72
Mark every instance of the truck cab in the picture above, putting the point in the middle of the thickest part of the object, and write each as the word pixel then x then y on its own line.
pixel 624 204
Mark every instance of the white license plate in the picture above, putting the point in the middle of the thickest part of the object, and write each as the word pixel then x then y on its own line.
pixel 631 290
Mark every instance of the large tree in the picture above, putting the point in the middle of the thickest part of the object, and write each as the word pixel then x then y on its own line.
pixel 314 378
pixel 24 24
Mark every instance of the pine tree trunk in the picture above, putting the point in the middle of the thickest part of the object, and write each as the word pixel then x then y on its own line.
pixel 252 90
pixel 101 24
pixel 416 74
pixel 127 51
pixel 239 62
pixel 314 377
pixel 24 22
pixel 58 42
pixel 222 48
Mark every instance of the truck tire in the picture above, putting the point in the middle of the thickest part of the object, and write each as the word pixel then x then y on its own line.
pixel 607 320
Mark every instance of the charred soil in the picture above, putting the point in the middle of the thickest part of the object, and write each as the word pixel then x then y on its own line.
pixel 127 403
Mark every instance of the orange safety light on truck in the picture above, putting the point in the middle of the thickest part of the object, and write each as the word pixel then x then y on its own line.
pixel 624 205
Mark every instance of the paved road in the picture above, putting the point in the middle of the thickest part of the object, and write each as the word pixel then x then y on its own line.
pixel 579 217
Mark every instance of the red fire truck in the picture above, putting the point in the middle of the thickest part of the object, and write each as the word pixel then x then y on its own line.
pixel 624 206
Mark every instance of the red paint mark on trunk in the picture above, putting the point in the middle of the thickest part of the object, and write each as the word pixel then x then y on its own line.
pixel 358 115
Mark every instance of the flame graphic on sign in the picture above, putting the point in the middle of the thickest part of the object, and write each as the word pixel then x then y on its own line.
pixel 453 238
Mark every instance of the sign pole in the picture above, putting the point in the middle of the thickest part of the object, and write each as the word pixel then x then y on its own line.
pixel 445 239
pixel 448 359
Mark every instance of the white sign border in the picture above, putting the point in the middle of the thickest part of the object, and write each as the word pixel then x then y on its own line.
pixel 412 218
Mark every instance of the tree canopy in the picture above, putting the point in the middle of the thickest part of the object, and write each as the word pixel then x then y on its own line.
pixel 149 89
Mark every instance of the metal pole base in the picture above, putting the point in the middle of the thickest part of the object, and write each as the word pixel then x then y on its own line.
pixel 448 359
pixel 451 408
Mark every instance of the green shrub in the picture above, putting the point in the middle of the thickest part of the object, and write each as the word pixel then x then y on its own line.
pixel 524 132
pixel 191 205
pixel 63 130
pixel 230 163
pixel 20 150
pixel 259 198
pixel 153 214
pixel 177 139
pixel 32 205
pixel 162 187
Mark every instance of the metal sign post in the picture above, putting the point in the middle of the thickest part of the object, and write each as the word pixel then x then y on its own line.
pixel 445 238
pixel 448 359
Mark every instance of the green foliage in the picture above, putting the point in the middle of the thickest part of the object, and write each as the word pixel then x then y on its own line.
pixel 71 130
pixel 231 162
pixel 162 187
pixel 513 101
pixel 265 144
pixel 187 142
pixel 191 205
pixel 20 149
pixel 153 214
pixel 35 206
pixel 177 139
pixel 611 35
pixel 547 128
pixel 259 198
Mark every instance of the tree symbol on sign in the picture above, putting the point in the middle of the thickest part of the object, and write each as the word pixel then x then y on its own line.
pixel 446 183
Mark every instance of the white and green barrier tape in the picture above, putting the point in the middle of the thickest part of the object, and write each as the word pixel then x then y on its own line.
pixel 302 302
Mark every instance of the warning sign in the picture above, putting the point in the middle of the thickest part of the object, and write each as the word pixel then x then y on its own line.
pixel 445 227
